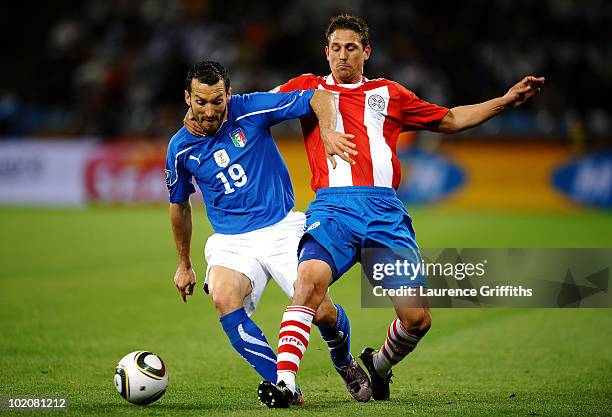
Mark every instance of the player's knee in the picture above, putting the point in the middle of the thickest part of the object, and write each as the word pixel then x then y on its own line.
pixel 305 287
pixel 310 289
pixel 228 289
pixel 225 301
pixel 416 321
pixel 312 279
pixel 425 323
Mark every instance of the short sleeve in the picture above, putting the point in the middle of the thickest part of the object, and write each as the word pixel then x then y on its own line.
pixel 267 109
pixel 418 114
pixel 178 178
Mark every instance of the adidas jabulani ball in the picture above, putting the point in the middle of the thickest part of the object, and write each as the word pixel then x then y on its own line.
pixel 141 377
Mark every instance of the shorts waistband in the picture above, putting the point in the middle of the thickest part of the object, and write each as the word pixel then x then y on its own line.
pixel 357 190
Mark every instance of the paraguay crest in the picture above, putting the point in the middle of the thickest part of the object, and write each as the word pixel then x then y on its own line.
pixel 376 102
pixel 221 158
pixel 238 138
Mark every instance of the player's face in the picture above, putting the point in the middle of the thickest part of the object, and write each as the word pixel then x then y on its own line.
pixel 208 104
pixel 346 56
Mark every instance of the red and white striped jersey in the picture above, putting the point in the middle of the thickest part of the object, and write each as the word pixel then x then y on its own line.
pixel 376 112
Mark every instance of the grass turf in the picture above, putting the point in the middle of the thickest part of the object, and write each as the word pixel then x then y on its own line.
pixel 81 288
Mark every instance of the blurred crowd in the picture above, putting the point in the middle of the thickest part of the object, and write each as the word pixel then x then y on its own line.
pixel 116 68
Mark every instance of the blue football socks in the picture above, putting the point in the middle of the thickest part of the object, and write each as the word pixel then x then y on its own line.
pixel 338 339
pixel 249 341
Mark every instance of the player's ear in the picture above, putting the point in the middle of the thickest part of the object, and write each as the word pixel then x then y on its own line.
pixel 366 52
pixel 229 93
pixel 327 52
pixel 188 98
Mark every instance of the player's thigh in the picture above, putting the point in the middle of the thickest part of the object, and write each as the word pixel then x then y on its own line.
pixel 335 236
pixel 314 279
pixel 226 252
pixel 280 255
pixel 227 287
pixel 223 280
pixel 390 241
pixel 292 276
pixel 283 268
pixel 390 226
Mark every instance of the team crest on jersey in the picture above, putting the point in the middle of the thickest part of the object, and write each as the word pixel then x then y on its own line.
pixel 222 158
pixel 376 102
pixel 238 138
pixel 168 174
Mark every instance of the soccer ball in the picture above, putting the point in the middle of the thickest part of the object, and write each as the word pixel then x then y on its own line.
pixel 141 377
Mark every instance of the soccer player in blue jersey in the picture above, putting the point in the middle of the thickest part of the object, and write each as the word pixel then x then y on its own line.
pixel 249 199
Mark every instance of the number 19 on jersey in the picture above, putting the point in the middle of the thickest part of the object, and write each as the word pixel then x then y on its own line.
pixel 237 174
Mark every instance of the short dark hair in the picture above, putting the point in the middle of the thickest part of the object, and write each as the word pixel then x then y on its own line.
pixel 350 22
pixel 207 72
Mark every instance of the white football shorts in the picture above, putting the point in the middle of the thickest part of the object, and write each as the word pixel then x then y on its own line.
pixel 261 255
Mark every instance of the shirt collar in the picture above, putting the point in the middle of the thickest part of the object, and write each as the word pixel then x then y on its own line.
pixel 331 80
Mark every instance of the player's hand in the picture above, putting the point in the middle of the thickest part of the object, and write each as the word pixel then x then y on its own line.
pixel 184 281
pixel 338 143
pixel 523 91
pixel 192 126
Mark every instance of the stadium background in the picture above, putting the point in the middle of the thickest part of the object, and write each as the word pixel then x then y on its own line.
pixel 90 93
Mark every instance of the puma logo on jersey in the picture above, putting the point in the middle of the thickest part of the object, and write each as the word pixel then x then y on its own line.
pixel 312 226
pixel 195 159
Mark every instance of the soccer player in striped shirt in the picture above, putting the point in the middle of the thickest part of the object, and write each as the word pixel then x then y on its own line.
pixel 356 206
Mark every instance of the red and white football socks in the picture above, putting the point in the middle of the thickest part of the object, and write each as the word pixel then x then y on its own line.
pixel 292 342
pixel 399 343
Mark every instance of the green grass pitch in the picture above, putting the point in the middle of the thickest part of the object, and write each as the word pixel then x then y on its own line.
pixel 81 288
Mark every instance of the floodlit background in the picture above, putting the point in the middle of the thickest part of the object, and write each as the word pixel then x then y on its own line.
pixel 90 93
pixel 113 72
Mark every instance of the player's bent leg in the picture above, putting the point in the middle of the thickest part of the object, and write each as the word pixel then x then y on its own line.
pixel 228 289
pixel 310 290
pixel 403 335
pixel 314 278
pixel 334 325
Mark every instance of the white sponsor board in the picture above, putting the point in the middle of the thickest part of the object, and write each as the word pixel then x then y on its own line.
pixel 43 172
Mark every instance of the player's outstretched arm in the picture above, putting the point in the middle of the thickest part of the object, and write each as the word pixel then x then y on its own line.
pixel 465 117
pixel 336 143
pixel 184 277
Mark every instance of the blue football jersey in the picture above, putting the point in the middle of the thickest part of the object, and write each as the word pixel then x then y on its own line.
pixel 240 172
